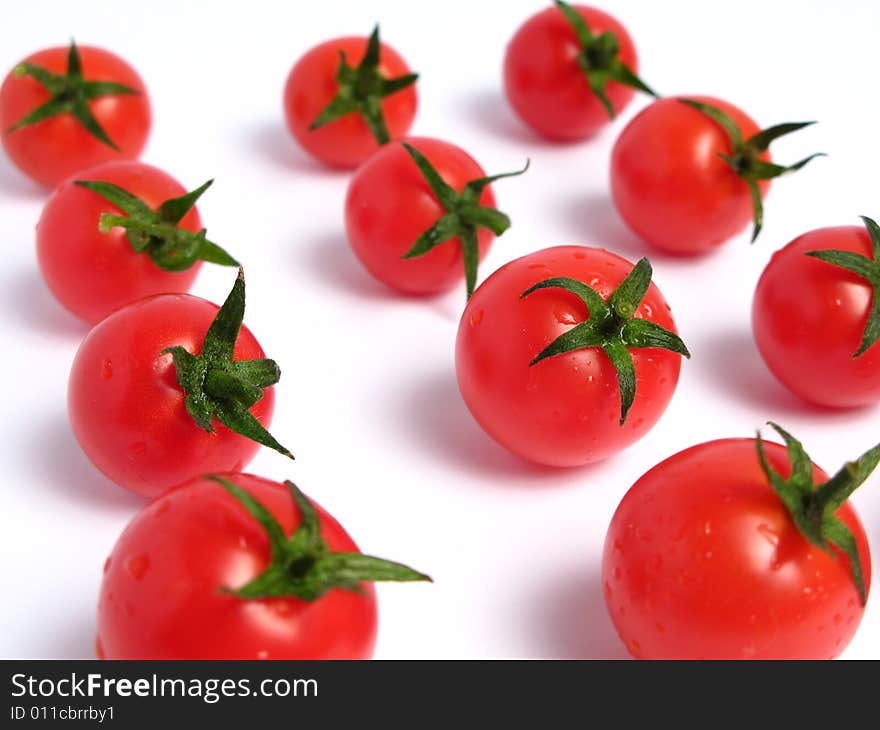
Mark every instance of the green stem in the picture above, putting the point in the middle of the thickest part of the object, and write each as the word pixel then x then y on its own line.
pixel 612 327
pixel 303 565
pixel 812 507
pixel 464 216
pixel 361 90
pixel 745 159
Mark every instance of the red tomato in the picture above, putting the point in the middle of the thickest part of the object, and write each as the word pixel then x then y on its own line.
pixel 703 561
pixel 390 204
pixel 94 273
pixel 564 410
pixel 312 84
pixel 547 87
pixel 809 317
pixel 162 594
pixel 55 148
pixel 670 185
pixel 127 408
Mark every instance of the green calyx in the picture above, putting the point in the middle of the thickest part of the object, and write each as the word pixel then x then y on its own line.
pixel 812 506
pixel 464 216
pixel 217 385
pixel 745 160
pixel 302 565
pixel 612 326
pixel 599 59
pixel 155 232
pixel 867 269
pixel 362 89
pixel 70 94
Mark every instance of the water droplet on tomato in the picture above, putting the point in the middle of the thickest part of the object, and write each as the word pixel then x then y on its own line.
pixel 564 315
pixel 765 531
pixel 476 318
pixel 107 369
pixel 137 449
pixel 137 566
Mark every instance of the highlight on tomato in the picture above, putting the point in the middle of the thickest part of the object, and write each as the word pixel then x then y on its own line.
pixel 420 215
pixel 570 70
pixel 816 315
pixel 568 355
pixel 688 174
pixel 233 566
pixel 172 387
pixel 119 232
pixel 65 109
pixel 347 97
pixel 739 549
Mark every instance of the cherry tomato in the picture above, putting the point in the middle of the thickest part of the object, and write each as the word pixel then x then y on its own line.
pixel 564 410
pixel 166 587
pixel 313 83
pixel 58 146
pixel 809 318
pixel 703 561
pixel 126 405
pixel 94 273
pixel 547 86
pixel 670 185
pixel 390 204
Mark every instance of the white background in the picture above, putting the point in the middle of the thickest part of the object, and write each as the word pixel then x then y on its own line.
pixel 368 400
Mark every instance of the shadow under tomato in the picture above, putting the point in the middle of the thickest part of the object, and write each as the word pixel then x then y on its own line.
pixel 593 220
pixel 73 638
pixel 61 464
pixel 488 110
pixel 435 418
pixel 729 360
pixel 15 184
pixel 330 259
pixel 572 621
pixel 25 297
pixel 273 144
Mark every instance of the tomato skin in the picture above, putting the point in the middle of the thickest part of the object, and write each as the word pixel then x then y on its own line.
pixel 127 409
pixel 669 184
pixel 563 411
pixel 162 598
pixel 389 205
pixel 92 273
pixel 703 561
pixel 544 83
pixel 55 148
pixel 808 318
pixel 347 141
